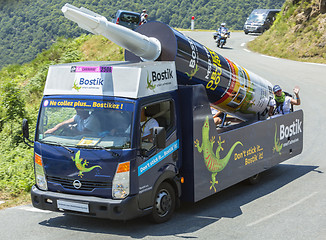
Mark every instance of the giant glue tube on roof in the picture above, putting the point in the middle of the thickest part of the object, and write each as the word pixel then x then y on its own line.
pixel 229 87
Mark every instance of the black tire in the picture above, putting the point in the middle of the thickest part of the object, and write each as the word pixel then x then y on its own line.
pixel 164 203
pixel 254 179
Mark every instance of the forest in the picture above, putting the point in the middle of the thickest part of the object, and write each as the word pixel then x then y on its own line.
pixel 29 27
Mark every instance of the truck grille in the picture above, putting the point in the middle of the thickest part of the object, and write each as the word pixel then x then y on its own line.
pixel 85 184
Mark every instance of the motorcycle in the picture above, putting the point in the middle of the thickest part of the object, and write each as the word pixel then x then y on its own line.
pixel 221 37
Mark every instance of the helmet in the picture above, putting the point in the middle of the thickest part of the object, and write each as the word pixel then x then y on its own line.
pixel 223 24
pixel 276 88
pixel 144 10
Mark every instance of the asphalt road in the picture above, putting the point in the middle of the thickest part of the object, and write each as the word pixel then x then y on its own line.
pixel 288 203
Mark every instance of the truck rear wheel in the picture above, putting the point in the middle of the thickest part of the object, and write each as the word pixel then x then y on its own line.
pixel 164 203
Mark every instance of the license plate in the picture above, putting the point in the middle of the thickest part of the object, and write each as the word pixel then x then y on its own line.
pixel 73 206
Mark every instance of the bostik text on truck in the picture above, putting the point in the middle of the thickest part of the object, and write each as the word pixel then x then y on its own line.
pixel 90 156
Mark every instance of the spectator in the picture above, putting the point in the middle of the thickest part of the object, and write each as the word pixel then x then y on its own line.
pixel 281 104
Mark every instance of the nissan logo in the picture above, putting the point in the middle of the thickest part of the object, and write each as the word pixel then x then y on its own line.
pixel 77 184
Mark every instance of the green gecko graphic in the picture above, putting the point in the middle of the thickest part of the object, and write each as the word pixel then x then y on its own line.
pixel 149 84
pixel 82 166
pixel 213 162
pixel 76 86
pixel 193 72
pixel 277 147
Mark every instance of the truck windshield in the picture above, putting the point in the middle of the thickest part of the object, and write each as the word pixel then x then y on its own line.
pixel 257 17
pixel 85 123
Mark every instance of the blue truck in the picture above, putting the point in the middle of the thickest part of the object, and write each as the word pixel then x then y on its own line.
pixel 90 154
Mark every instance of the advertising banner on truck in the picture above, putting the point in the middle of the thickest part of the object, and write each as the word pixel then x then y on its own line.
pixel 223 158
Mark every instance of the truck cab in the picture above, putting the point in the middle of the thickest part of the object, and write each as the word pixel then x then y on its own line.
pixel 127 19
pixel 89 143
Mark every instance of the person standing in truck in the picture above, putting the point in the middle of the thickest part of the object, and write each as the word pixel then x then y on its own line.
pixel 281 104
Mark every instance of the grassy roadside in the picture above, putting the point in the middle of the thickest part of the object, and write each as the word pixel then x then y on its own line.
pixel 21 199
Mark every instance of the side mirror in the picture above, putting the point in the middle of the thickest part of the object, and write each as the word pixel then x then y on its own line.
pixel 26 132
pixel 25 129
pixel 159 135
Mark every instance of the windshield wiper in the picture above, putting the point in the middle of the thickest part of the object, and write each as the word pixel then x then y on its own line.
pixel 58 144
pixel 114 154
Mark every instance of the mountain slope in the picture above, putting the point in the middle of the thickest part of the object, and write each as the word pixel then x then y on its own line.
pixel 299 32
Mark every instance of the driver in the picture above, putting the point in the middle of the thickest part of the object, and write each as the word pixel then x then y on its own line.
pixel 84 121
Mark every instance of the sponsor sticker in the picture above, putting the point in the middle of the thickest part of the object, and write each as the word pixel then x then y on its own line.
pixel 158 158
pixel 91 69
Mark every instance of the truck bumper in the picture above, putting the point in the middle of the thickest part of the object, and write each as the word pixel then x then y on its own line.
pixel 254 29
pixel 88 206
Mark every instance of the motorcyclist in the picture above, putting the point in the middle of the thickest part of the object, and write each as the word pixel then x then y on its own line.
pixel 144 19
pixel 220 30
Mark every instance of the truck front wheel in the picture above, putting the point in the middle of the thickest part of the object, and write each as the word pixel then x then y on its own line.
pixel 164 203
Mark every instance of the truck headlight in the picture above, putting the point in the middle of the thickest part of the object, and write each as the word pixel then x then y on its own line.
pixel 39 173
pixel 120 186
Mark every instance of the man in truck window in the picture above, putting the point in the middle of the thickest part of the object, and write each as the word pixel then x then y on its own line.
pixel 147 124
pixel 84 121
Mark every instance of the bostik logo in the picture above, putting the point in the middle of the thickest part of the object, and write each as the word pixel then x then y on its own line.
pixel 291 130
pixel 194 54
pixel 95 81
pixel 165 75
pixel 87 83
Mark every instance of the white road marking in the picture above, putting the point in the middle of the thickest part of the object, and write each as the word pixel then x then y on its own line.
pixel 269 56
pixel 207 217
pixel 282 210
pixel 243 44
pixel 318 64
pixel 247 50
pixel 30 208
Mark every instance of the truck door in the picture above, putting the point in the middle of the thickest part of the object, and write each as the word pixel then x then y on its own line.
pixel 156 164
